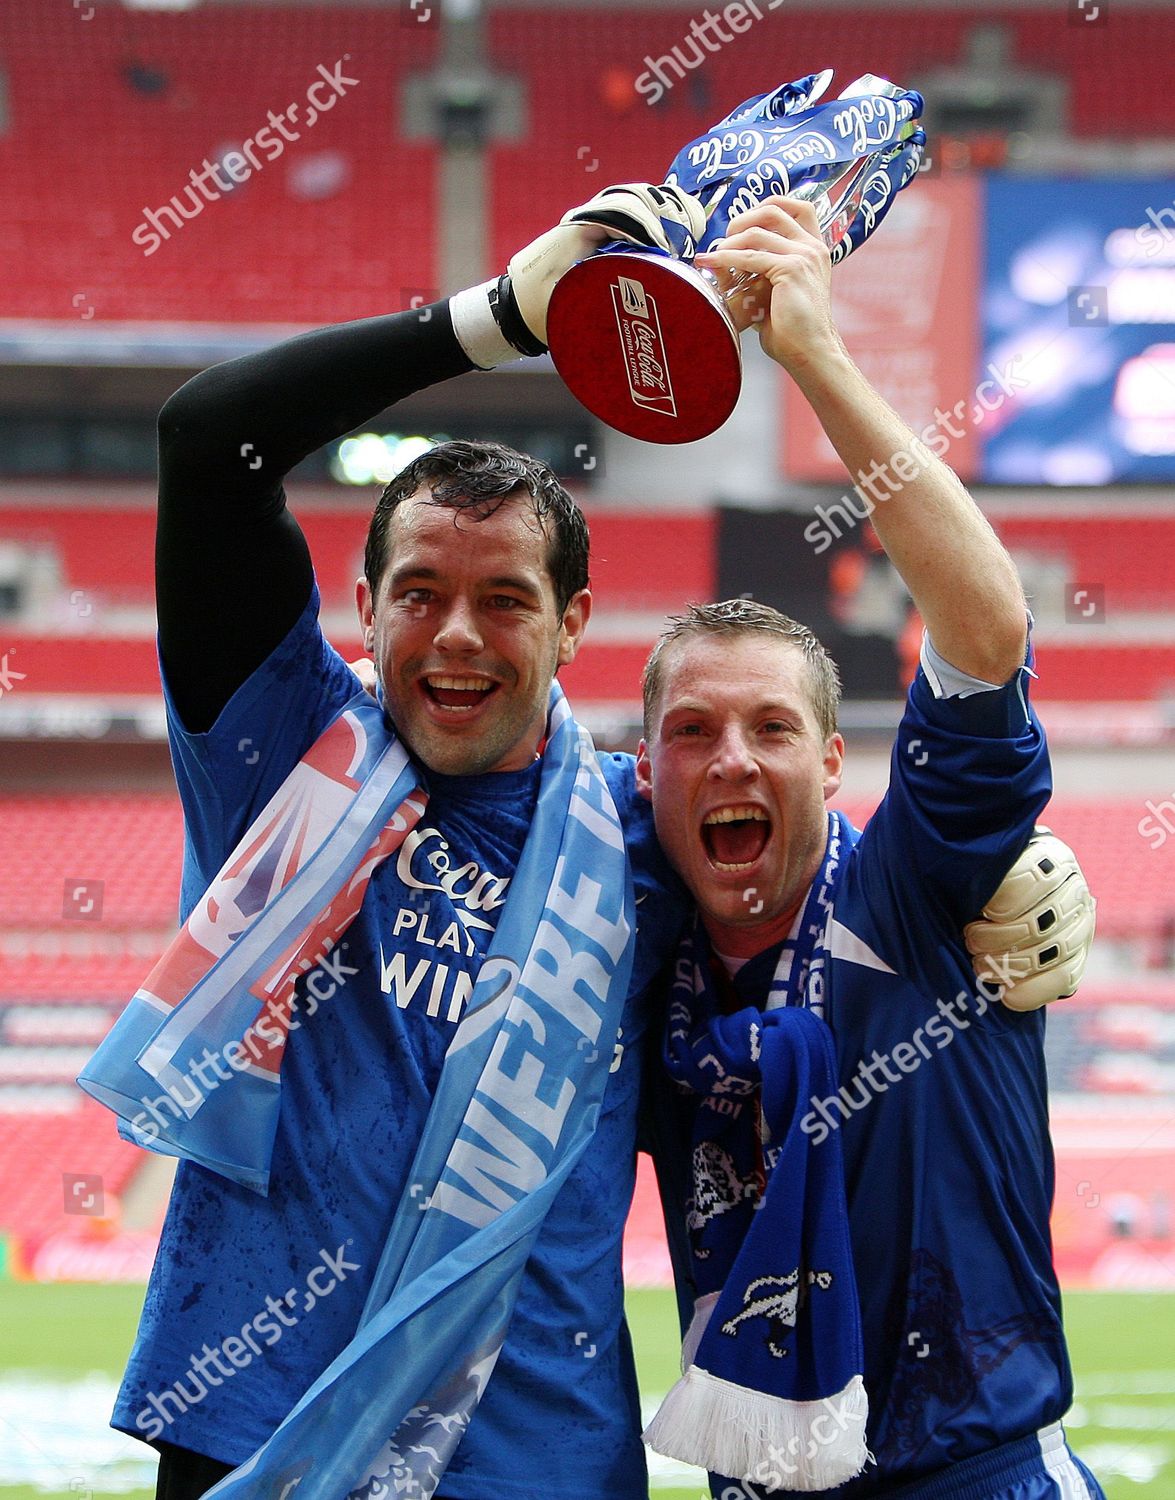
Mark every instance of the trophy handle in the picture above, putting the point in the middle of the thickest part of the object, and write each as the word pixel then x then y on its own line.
pixel 834 215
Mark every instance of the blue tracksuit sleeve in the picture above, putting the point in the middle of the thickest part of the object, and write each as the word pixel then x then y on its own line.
pixel 968 779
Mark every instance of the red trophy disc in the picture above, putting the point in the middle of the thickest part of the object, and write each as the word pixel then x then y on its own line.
pixel 646 344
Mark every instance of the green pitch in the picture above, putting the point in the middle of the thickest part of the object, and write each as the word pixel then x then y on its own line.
pixel 1123 1419
pixel 62 1348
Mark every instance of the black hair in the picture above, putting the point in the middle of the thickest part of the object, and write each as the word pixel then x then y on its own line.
pixel 479 477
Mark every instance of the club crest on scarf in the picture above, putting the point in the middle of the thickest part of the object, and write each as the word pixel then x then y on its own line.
pixel 718 1189
pixel 779 1299
pixel 413 1463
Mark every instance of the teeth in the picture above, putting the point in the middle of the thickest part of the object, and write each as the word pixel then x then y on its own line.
pixel 736 815
pixel 461 684
pixel 718 865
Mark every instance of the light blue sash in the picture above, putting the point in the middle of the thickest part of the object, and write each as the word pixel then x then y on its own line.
pixel 224 989
pixel 517 1102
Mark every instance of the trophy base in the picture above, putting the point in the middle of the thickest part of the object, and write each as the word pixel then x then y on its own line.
pixel 645 343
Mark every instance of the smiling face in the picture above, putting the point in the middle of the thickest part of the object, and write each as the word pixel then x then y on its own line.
pixel 738 773
pixel 466 634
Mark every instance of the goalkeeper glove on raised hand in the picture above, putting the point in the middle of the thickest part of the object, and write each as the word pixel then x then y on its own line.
pixel 500 320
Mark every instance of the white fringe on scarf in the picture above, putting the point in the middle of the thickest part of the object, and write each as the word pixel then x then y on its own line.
pixel 751 1435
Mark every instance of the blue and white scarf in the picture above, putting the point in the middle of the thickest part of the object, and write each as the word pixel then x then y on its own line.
pixel 517 1102
pixel 225 987
pixel 772 1391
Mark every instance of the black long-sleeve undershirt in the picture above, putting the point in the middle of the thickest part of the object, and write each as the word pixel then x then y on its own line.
pixel 232 568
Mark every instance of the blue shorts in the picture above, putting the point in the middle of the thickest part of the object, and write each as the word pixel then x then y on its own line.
pixel 1038 1467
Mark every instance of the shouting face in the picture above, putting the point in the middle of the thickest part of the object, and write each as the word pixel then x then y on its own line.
pixel 738 773
pixel 466 634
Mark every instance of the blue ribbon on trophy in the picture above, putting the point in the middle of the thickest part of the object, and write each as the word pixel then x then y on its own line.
pixel 642 338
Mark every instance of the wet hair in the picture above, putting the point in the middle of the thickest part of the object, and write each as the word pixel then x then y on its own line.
pixel 479 477
pixel 745 617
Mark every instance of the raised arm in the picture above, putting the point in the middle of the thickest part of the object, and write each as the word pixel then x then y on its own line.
pixel 959 574
pixel 233 571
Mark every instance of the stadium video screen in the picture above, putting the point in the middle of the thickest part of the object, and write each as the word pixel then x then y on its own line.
pixel 1080 289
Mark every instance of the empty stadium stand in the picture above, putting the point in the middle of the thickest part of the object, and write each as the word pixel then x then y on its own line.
pixel 104 547
pixel 108 114
pixel 1114 1038
pixel 98 601
pixel 1133 880
pixel 90 631
pixel 88 890
pixel 1099 672
pixel 598 125
pixel 43 1153
pixel 67 862
pixel 1127 553
pixel 88 896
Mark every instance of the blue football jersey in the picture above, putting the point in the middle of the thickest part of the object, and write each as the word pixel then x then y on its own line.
pixel 942 1104
pixel 560 1413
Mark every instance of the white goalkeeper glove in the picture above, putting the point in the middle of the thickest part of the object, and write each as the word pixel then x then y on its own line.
pixel 1036 931
pixel 502 319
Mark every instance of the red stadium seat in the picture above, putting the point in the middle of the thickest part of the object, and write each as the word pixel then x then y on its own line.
pixel 1129 556
pixel 121 854
pixel 1132 878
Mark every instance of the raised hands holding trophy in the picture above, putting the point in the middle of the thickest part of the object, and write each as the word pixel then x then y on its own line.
pixel 646 340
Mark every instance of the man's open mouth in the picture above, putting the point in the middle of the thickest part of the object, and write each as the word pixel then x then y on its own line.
pixel 447 690
pixel 735 837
